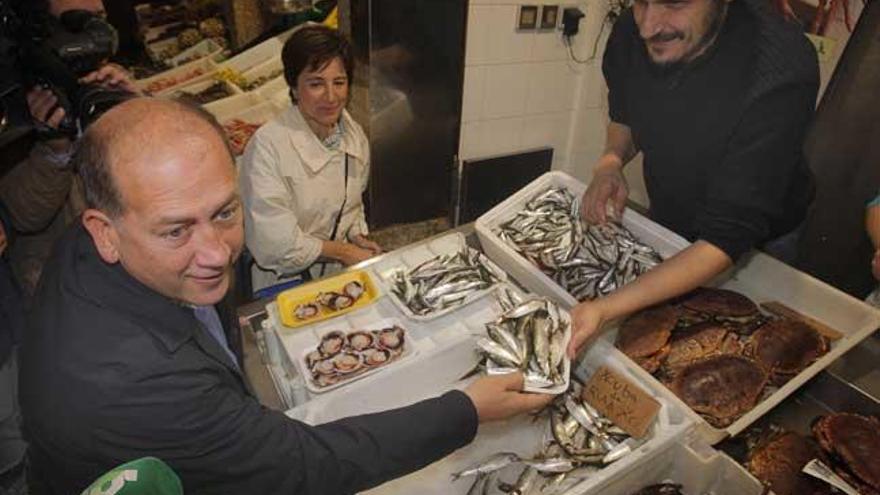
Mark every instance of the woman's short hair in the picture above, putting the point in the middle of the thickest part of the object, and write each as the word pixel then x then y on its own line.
pixel 312 48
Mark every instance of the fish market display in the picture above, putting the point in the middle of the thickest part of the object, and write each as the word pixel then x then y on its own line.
pixel 588 261
pixel 213 92
pixel 256 83
pixel 331 301
pixel 167 82
pixel 582 443
pixel 444 281
pixel 531 337
pixel 717 351
pixel 239 133
pixel 342 356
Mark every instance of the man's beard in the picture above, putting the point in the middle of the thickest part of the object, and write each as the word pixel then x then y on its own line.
pixel 716 22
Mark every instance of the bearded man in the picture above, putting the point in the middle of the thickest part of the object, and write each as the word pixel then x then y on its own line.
pixel 718 96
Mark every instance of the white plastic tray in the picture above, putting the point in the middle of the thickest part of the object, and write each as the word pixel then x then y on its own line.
pixel 205 48
pixel 203 85
pixel 435 373
pixel 666 242
pixel 264 69
pixel 699 469
pixel 763 279
pixel 228 108
pixel 155 49
pixel 340 324
pixel 275 91
pixel 414 256
pixel 260 113
pixel 207 67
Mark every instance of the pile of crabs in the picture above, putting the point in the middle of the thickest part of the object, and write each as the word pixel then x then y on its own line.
pixel 848 443
pixel 342 356
pixel 718 352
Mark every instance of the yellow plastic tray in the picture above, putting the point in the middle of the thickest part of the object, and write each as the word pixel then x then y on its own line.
pixel 289 300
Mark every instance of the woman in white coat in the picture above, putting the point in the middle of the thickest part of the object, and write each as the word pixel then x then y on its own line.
pixel 303 174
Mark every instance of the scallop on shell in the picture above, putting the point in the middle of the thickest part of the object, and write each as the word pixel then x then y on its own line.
pixel 360 340
pixel 324 367
pixel 391 338
pixel 306 311
pixel 354 289
pixel 348 362
pixel 341 301
pixel 376 357
pixel 313 358
pixel 331 343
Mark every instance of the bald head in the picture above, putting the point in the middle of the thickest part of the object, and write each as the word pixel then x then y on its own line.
pixel 132 137
pixel 163 201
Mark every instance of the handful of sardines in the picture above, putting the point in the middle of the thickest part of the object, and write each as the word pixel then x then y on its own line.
pixel 583 442
pixel 531 337
pixel 444 281
pixel 588 261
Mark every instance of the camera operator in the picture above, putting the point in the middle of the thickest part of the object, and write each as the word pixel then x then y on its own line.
pixel 42 194
pixel 12 446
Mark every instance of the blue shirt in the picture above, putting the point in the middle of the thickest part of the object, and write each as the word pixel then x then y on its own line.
pixel 210 320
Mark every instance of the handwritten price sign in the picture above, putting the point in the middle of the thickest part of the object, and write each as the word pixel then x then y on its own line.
pixel 621 401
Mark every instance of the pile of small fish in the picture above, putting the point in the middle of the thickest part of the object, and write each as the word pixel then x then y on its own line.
pixel 588 261
pixel 444 281
pixel 531 337
pixel 583 443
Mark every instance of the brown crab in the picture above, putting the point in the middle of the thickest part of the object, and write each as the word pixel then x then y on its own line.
pixel 733 309
pixel 644 336
pixel 721 388
pixel 693 343
pixel 853 443
pixel 777 462
pixel 784 347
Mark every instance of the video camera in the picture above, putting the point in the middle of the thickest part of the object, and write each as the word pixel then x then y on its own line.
pixel 38 49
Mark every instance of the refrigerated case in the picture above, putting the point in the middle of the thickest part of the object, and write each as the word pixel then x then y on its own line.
pixel 407 95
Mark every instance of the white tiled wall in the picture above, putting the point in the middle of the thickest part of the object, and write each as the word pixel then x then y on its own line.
pixel 523 91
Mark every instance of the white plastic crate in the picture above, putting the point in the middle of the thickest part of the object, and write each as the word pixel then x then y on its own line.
pixel 666 242
pixel 410 258
pixel 763 278
pixel 436 373
pixel 699 469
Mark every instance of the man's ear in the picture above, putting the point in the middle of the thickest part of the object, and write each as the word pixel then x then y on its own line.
pixel 103 234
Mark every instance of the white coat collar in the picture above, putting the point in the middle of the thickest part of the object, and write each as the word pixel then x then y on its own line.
pixel 310 148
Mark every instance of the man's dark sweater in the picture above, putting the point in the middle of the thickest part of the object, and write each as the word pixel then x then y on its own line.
pixel 723 136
